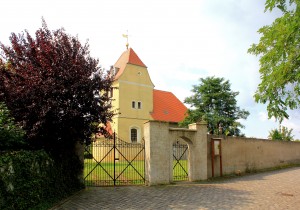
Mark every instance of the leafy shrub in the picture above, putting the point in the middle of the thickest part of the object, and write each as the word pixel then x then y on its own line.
pixel 11 136
pixel 282 134
pixel 28 178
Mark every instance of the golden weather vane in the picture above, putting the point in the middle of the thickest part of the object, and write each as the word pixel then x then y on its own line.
pixel 126 36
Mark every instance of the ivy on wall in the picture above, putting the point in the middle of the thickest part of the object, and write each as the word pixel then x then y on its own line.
pixel 28 178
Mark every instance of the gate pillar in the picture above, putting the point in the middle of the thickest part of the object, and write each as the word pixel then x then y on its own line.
pixel 198 153
pixel 158 153
pixel 79 151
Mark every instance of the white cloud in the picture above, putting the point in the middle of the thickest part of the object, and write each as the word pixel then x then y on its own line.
pixel 263 117
pixel 293 125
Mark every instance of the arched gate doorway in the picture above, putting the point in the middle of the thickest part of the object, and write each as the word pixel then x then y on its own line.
pixel 180 161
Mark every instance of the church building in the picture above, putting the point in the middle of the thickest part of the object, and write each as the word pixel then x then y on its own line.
pixel 136 101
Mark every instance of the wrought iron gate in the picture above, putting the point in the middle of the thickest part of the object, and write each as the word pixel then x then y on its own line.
pixel 180 162
pixel 114 162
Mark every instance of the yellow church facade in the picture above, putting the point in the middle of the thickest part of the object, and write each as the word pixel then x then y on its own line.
pixel 135 101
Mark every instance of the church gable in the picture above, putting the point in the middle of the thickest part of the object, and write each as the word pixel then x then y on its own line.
pixel 127 57
pixel 129 68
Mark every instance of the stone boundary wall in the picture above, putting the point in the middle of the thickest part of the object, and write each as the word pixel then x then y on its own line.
pixel 241 155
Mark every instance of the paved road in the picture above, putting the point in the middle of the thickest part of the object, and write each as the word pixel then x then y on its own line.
pixel 270 190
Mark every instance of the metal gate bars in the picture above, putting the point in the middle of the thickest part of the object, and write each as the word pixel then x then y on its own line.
pixel 180 161
pixel 111 162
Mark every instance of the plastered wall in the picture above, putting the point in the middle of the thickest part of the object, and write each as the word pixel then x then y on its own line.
pixel 241 155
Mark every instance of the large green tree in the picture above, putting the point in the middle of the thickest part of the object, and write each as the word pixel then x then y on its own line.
pixel 215 102
pixel 279 51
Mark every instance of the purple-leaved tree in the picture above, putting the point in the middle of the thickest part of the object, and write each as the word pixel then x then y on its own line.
pixel 54 89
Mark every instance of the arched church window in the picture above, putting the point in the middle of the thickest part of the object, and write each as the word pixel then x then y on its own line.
pixel 133 135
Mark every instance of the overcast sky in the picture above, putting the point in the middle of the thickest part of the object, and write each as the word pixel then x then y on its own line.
pixel 180 41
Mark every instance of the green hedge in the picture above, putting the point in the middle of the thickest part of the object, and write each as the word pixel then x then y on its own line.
pixel 11 135
pixel 28 178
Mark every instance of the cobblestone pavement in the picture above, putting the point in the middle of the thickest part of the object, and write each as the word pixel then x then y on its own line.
pixel 269 190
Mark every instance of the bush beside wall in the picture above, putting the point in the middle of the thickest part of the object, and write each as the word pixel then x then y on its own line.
pixel 28 178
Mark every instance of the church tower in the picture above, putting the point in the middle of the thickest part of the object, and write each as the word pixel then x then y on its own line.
pixel 132 97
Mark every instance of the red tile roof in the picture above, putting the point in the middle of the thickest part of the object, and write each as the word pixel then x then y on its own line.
pixel 167 107
pixel 127 57
pixel 109 130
